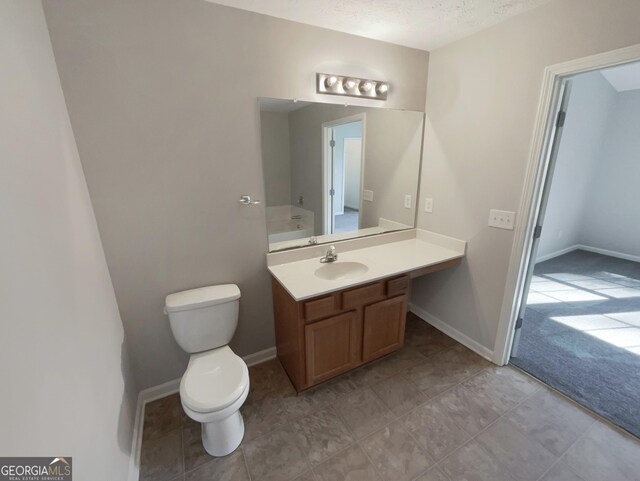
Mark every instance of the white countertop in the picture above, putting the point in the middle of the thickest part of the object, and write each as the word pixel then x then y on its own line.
pixel 383 260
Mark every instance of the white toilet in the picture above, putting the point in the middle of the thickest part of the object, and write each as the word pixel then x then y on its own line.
pixel 216 382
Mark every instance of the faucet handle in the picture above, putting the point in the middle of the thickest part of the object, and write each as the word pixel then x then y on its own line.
pixel 330 256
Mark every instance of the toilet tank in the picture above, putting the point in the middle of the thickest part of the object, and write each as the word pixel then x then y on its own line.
pixel 204 318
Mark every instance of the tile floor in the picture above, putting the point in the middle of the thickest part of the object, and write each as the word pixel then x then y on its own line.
pixel 433 411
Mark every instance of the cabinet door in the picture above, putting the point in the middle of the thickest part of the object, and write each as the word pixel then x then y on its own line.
pixel 383 327
pixel 330 346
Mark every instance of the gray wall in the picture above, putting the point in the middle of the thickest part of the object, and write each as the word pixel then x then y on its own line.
pixel 162 96
pixel 276 162
pixel 66 384
pixel 391 159
pixel 482 99
pixel 580 152
pixel 612 210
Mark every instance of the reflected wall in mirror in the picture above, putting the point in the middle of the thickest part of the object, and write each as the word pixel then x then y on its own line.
pixel 335 172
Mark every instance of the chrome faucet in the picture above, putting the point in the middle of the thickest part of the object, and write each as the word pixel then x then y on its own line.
pixel 330 256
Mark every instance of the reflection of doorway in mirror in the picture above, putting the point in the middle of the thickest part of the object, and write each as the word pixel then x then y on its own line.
pixel 349 218
pixel 343 175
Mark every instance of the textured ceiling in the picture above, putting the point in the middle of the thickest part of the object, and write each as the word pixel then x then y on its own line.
pixel 423 24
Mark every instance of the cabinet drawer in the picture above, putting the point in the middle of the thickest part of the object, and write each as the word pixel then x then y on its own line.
pixel 363 295
pixel 319 308
pixel 399 285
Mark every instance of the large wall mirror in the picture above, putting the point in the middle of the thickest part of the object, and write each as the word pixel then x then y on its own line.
pixel 335 172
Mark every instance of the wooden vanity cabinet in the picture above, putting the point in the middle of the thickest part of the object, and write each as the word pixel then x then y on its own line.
pixel 323 337
pixel 383 330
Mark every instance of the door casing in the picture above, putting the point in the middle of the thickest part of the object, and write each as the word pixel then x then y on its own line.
pixel 537 169
pixel 326 165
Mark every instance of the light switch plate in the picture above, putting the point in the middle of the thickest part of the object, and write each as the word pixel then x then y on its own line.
pixel 367 195
pixel 502 219
pixel 428 205
pixel 407 201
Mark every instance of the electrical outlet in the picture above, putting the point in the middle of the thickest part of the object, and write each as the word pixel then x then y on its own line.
pixel 367 195
pixel 502 219
pixel 428 205
pixel 407 201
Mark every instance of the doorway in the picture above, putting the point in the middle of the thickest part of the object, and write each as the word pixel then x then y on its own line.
pixel 342 168
pixel 577 322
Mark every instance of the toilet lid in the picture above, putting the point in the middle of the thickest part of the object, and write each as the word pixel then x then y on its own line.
pixel 214 380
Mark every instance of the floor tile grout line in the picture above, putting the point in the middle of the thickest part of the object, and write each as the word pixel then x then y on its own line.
pixel 562 456
pixel 373 466
pixel 400 417
pixel 246 463
pixel 430 468
pixel 340 396
pixel 351 444
pixel 184 461
pixel 357 440
pixel 515 406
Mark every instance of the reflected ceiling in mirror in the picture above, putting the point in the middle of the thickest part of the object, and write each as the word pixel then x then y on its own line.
pixel 335 172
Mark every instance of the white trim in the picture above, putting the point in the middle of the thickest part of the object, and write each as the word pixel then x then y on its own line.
pixel 559 253
pixel 260 356
pixel 136 443
pixel 598 250
pixel 534 181
pixel 326 174
pixel 451 332
pixel 166 389
pixel 146 396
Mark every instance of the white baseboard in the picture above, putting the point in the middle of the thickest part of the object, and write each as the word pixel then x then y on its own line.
pixel 596 250
pixel 166 389
pixel 619 255
pixel 559 253
pixel 136 443
pixel 451 332
pixel 260 356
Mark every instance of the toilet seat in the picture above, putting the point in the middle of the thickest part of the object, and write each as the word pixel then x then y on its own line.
pixel 214 380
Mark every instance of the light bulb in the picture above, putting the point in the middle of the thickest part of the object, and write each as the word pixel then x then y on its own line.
pixel 365 85
pixel 349 84
pixel 329 82
pixel 382 88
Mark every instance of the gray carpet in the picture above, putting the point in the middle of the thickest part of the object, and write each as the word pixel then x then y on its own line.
pixel 346 222
pixel 581 333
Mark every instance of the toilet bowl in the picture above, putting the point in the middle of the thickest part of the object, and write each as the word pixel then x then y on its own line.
pixel 216 382
pixel 212 390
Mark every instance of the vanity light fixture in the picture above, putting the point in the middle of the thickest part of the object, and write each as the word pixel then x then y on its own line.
pixel 351 86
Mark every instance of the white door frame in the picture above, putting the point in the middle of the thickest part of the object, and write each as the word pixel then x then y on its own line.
pixel 326 165
pixel 548 106
pixel 360 181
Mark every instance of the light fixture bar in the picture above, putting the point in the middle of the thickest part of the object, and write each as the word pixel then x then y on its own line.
pixel 351 86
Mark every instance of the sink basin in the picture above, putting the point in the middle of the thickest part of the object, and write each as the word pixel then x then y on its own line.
pixel 338 271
